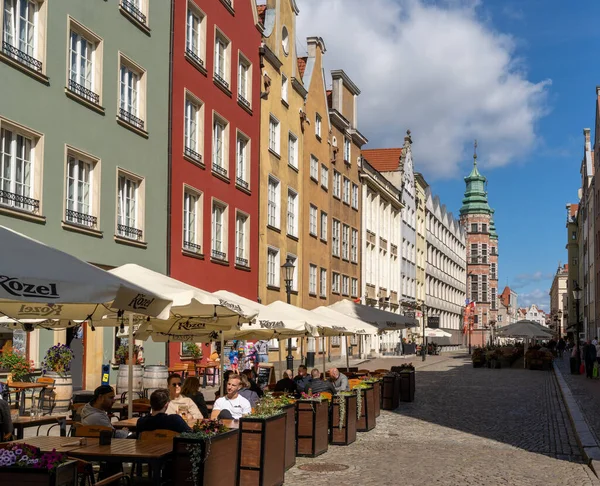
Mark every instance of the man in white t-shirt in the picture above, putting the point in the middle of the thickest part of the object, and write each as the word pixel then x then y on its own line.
pixel 232 405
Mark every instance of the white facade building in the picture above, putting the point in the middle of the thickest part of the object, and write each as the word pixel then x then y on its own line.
pixel 446 271
pixel 536 315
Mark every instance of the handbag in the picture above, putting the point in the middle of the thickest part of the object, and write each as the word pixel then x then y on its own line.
pixel 581 369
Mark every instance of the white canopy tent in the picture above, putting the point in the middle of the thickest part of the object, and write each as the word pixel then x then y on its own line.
pixel 383 320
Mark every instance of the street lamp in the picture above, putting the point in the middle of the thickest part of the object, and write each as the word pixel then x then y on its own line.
pixel 424 345
pixel 577 294
pixel 288 268
pixel 560 321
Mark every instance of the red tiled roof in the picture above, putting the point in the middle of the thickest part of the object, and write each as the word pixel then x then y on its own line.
pixel 301 66
pixel 566 266
pixel 384 160
pixel 573 209
pixel 329 99
pixel 261 13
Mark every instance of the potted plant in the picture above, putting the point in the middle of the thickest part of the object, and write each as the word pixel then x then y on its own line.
pixel 57 365
pixel 390 394
pixel 406 373
pixel 26 464
pixel 312 419
pixel 15 362
pixel 207 455
pixel 123 359
pixel 287 404
pixel 262 446
pixel 377 389
pixel 478 357
pixel 492 357
pixel 365 413
pixel 342 425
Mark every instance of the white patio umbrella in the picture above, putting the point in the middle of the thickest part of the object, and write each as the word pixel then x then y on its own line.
pixel 383 320
pixel 430 332
pixel 41 282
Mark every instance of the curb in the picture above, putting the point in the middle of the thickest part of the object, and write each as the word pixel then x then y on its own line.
pixel 590 449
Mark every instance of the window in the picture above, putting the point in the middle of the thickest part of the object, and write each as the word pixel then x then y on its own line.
pixel 494 296
pixel 354 287
pixel 484 228
pixel 314 168
pixel 284 88
pixel 354 196
pixel 346 150
pixel 192 227
pixel 335 283
pixel 484 288
pixel 79 198
pixel 323 282
pixel 273 198
pixel 474 288
pixel 220 145
pixel 192 128
pixel 292 213
pixel 335 238
pixel 346 197
pixel 244 81
pixel 324 177
pixel 273 267
pixel 323 226
pixel 474 253
pixel 136 9
pixel 484 258
pixel 23 30
pixel 345 242
pixel 285 40
pixel 337 184
pixel 195 44
pixel 219 231
pixel 274 135
pixel 132 106
pixel 318 122
pixel 129 221
pixel 354 246
pixel 312 228
pixel 293 151
pixel 312 279
pixel 493 275
pixel 241 240
pixel 85 61
pixel 222 62
pixel 474 228
pixel 242 177
pixel 345 285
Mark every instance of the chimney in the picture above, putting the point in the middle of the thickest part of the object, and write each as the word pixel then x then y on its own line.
pixel 311 46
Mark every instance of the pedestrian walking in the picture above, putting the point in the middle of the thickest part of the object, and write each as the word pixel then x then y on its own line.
pixel 561 347
pixel 589 356
pixel 262 349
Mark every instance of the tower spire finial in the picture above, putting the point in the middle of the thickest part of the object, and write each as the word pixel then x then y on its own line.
pixel 475 152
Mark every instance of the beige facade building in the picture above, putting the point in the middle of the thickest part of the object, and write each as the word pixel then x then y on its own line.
pixel 558 300
pixel 421 244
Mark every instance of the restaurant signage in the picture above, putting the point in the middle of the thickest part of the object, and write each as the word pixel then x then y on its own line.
pixel 433 322
pixel 410 315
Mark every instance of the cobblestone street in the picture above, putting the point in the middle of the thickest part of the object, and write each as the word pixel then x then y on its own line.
pixel 467 427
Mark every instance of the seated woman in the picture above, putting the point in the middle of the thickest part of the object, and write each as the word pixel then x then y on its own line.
pixel 246 392
pixel 191 389
pixel 159 401
pixel 179 404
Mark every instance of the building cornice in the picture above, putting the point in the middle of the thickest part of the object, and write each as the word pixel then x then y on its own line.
pixel 340 74
pixel 270 56
pixel 299 88
pixel 358 138
pixel 338 120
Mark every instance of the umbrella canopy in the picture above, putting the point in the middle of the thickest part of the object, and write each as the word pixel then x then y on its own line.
pixel 41 282
pixel 342 324
pixel 525 329
pixel 383 320
pixel 429 332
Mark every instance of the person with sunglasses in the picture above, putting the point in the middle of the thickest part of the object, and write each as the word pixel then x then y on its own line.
pixel 179 404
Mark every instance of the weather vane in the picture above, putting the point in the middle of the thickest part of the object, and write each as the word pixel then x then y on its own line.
pixel 475 151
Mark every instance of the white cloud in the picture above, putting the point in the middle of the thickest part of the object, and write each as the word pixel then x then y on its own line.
pixel 538 297
pixel 434 68
pixel 524 279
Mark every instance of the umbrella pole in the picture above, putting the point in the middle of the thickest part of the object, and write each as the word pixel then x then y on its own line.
pixel 130 369
pixel 221 363
pixel 323 349
pixel 280 361
pixel 347 355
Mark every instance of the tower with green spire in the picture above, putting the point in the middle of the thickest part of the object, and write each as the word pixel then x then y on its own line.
pixel 477 217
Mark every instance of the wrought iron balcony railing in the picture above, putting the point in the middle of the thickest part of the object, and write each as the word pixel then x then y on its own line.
pixel 243 101
pixel 19 201
pixel 81 218
pixel 194 56
pixel 84 92
pixel 221 80
pixel 129 232
pixel 241 182
pixel 134 11
pixel 220 170
pixel 219 255
pixel 193 154
pixel 131 119
pixel 241 261
pixel 22 57
pixel 194 247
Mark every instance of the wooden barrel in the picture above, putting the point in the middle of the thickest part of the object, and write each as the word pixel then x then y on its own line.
pixel 63 390
pixel 123 378
pixel 155 376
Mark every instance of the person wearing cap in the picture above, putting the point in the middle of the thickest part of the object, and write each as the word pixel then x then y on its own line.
pixel 96 411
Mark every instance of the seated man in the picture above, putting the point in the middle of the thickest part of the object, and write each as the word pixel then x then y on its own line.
pixel 302 379
pixel 159 401
pixel 232 405
pixel 317 385
pixel 96 411
pixel 286 384
pixel 179 404
pixel 340 381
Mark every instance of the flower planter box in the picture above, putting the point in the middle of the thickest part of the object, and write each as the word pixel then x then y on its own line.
pixel 407 386
pixel 290 435
pixel 347 433
pixel 367 419
pixel 377 401
pixel 64 475
pixel 261 459
pixel 390 392
pixel 409 348
pixel 220 455
pixel 312 420
pixel 478 364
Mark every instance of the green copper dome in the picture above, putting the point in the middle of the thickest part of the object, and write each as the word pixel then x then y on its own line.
pixel 493 234
pixel 475 200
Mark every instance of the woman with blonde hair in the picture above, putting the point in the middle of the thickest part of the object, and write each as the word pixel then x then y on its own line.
pixel 191 389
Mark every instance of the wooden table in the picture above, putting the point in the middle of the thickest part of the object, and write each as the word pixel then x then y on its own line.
pixel 131 423
pixel 207 367
pixel 21 423
pixel 22 387
pixel 122 408
pixel 61 444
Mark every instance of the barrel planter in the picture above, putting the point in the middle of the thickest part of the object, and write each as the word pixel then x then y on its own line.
pixel 63 390
pixel 64 475
pixel 261 459
pixel 290 435
pixel 312 420
pixel 344 433
pixel 390 392
pixel 218 468
pixel 366 421
pixel 407 386
pixel 155 377
pixel 123 379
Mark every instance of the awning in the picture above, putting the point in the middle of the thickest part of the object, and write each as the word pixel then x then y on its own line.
pixel 383 320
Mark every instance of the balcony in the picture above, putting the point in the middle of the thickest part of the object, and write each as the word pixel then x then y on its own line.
pixel 134 11
pixel 129 232
pixel 131 119
pixel 19 202
pixel 371 237
pixel 370 291
pixel 21 57
pixel 219 79
pixel 242 262
pixel 193 154
pixel 243 101
pixel 81 219
pixel 218 255
pixel 242 183
pixel 383 243
pixel 219 170
pixel 193 247
pixel 394 250
pixel 84 92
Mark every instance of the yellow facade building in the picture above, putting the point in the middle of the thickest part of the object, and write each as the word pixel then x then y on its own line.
pixel 421 244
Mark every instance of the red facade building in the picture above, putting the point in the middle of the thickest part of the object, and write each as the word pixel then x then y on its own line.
pixel 215 110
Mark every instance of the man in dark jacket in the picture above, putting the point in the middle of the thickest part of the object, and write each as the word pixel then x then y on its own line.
pixel 159 401
pixel 302 379
pixel 317 385
pixel 589 355
pixel 286 384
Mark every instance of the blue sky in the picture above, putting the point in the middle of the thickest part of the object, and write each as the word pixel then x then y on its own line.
pixel 518 75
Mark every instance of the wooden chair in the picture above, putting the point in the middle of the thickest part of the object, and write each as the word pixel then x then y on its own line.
pixel 382 371
pixel 191 369
pixel 158 435
pixel 90 430
pixel 46 397
pixel 85 474
pixel 364 372
pixel 141 407
pixel 180 368
pixel 353 383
